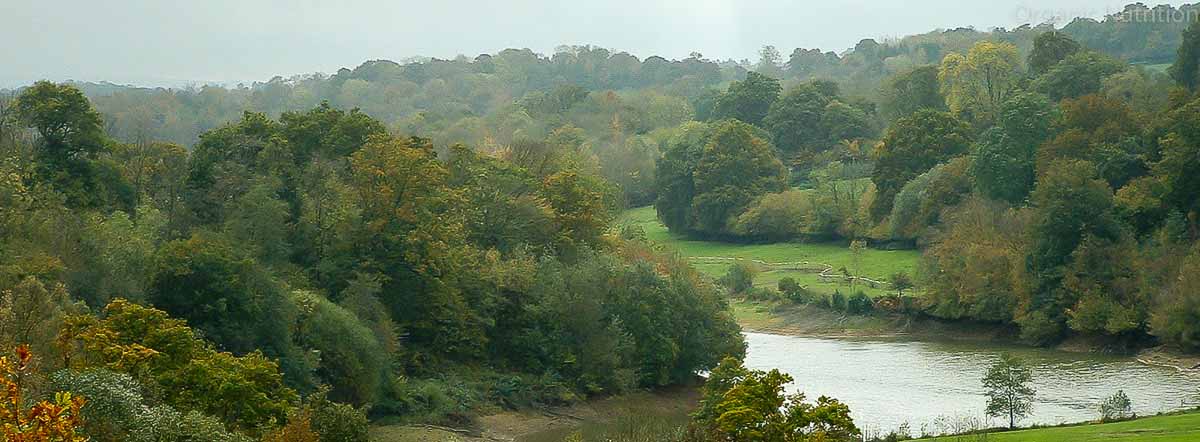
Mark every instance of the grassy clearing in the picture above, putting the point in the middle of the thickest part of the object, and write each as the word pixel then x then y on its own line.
pixel 1173 428
pixel 876 264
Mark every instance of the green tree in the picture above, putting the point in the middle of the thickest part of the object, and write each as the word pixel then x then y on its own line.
pixel 735 168
pixel 413 235
pixel 71 136
pixel 910 91
pixel 247 393
pixel 740 277
pixel 351 361
pixel 749 100
pixel 795 119
pixel 1175 316
pixel 901 282
pixel 750 405
pixel 675 175
pixel 1008 391
pixel 237 304
pixel 1186 69
pixel 913 145
pixel 1005 156
pixel 841 121
pixel 69 128
pixel 1072 203
pixel 1079 74
pixel 1049 48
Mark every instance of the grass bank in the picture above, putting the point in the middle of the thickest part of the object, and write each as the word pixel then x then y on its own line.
pixel 1168 428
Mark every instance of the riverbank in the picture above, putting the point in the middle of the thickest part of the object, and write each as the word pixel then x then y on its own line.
pixel 813 321
pixel 551 424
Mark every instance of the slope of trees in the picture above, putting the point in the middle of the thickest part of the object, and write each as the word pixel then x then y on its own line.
pixel 287 276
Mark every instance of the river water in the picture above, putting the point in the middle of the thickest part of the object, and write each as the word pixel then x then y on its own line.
pixel 888 383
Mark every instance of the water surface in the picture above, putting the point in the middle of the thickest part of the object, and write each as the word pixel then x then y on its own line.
pixel 887 383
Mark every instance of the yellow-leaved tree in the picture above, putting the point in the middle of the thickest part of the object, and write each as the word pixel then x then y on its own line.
pixel 975 85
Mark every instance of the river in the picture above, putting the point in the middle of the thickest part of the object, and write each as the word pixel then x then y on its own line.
pixel 888 383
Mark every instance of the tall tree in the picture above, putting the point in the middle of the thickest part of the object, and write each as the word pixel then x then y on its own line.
pixel 1008 391
pixel 977 84
pixel 71 136
pixel 750 99
pixel 913 145
pixel 913 90
pixel 69 128
pixel 1072 203
pixel 1186 70
pixel 1079 74
pixel 735 168
pixel 1049 48
pixel 795 119
pixel 1005 155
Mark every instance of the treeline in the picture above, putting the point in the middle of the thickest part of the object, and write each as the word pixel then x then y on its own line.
pixel 1053 191
pixel 614 104
pixel 295 275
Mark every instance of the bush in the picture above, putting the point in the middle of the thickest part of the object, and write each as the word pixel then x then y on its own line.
pixel 740 277
pixel 165 424
pixel 116 411
pixel 859 304
pixel 837 301
pixel 336 422
pixel 776 216
pixel 792 290
pixel 352 361
pixel 1116 407
pixel 114 401
pixel 761 294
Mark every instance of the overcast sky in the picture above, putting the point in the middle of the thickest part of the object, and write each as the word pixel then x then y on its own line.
pixel 173 42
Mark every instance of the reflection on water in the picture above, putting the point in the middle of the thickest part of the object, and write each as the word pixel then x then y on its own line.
pixel 888 383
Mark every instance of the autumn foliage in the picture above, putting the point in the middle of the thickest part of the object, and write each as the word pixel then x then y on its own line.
pixel 45 421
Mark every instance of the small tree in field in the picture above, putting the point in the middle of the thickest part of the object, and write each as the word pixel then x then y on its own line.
pixel 1008 390
pixel 901 282
pixel 1116 407
pixel 740 277
pixel 857 249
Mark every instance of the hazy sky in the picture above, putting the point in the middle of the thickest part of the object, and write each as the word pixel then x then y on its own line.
pixel 169 42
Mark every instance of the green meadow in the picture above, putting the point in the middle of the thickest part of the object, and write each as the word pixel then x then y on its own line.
pixel 804 261
pixel 1173 428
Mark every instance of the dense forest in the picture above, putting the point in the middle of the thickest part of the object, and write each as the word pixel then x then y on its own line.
pixel 420 241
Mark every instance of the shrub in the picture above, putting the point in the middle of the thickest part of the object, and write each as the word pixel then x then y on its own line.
pixel 792 290
pixel 336 422
pixel 761 294
pixel 166 424
pixel 352 361
pixel 116 411
pixel 1116 407
pixel 114 401
pixel 837 301
pixel 776 216
pixel 859 304
pixel 740 277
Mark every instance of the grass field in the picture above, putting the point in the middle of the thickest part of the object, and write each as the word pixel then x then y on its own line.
pixel 1173 428
pixel 876 264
